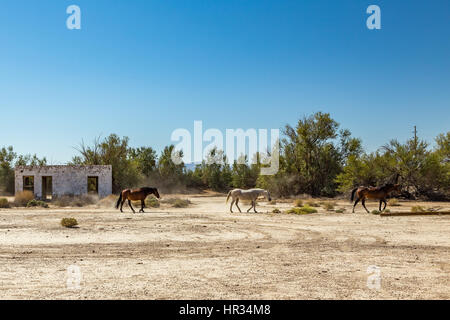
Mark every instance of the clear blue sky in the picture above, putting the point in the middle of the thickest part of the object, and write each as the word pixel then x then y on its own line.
pixel 231 63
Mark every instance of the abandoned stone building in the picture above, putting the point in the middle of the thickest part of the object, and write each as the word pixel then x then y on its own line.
pixel 53 181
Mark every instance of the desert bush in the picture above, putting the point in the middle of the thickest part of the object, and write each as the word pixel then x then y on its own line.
pixel 37 203
pixel 298 203
pixel 276 210
pixel 328 206
pixel 302 210
pixel 63 201
pixel 308 209
pixel 312 203
pixel 181 203
pixel 74 201
pixel 418 209
pixel 375 212
pixel 152 202
pixel 4 203
pixel 341 210
pixel 393 202
pixel 22 198
pixel 69 222
pixel 177 202
pixel 273 202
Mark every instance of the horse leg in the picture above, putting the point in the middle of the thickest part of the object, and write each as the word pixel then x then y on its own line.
pixel 237 201
pixel 380 206
pixel 142 206
pixel 356 202
pixel 363 201
pixel 250 207
pixel 121 205
pixel 385 204
pixel 129 203
pixel 231 206
pixel 254 206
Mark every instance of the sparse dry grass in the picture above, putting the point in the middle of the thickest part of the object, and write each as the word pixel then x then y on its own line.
pixel 329 206
pixel 394 202
pixel 109 201
pixel 22 198
pixel 75 201
pixel 312 203
pixel 177 202
pixel 152 202
pixel 181 203
pixel 418 209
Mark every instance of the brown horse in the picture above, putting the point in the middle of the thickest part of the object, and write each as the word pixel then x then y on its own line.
pixel 378 193
pixel 135 195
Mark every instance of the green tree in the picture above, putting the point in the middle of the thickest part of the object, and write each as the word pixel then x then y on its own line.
pixel 114 151
pixel 170 174
pixel 423 171
pixel 145 159
pixel 214 172
pixel 244 175
pixel 443 146
pixel 7 157
pixel 8 161
pixel 313 154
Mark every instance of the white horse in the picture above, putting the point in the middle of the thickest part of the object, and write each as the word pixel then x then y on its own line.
pixel 251 194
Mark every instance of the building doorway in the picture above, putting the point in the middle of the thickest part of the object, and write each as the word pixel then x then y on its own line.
pixel 92 185
pixel 47 188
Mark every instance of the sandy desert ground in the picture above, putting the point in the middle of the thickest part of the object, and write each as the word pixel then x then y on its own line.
pixel 204 252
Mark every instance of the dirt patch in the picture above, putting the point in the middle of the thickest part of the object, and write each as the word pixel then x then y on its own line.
pixel 204 252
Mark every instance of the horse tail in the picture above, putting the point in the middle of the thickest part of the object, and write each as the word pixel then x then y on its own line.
pixel 118 201
pixel 228 197
pixel 353 194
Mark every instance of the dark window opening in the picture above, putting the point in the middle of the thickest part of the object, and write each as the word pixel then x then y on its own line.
pixel 28 183
pixel 93 185
pixel 47 188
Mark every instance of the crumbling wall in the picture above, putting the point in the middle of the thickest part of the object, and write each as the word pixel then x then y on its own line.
pixel 66 180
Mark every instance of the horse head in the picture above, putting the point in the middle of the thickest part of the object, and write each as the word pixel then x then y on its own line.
pixel 149 190
pixel 155 192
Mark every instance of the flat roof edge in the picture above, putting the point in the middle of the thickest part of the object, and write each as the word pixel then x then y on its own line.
pixel 62 167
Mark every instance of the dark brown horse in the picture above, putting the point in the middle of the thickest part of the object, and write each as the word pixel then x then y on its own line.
pixel 378 193
pixel 135 195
